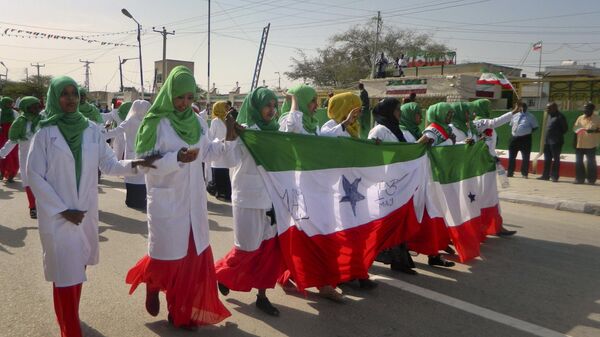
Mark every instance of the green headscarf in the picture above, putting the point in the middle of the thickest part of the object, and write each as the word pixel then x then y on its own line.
pixel 437 113
pixel 407 118
pixel 180 81
pixel 71 125
pixel 459 119
pixel 89 110
pixel 124 110
pixel 481 108
pixel 18 130
pixel 6 114
pixel 250 111
pixel 304 95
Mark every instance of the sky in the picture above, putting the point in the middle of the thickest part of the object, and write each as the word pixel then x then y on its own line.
pixel 492 31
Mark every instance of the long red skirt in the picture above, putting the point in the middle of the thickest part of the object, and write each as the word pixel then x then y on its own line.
pixel 190 285
pixel 10 165
pixel 260 269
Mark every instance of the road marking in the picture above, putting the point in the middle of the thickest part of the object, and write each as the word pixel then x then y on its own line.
pixel 470 308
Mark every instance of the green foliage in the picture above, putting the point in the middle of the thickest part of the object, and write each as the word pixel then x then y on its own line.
pixel 348 57
pixel 30 87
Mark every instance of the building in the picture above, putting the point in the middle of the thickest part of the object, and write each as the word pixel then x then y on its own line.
pixel 158 70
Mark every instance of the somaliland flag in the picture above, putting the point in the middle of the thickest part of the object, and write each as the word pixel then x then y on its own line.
pixel 339 201
pixel 495 78
pixel 466 196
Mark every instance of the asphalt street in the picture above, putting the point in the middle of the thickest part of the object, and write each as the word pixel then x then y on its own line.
pixel 544 281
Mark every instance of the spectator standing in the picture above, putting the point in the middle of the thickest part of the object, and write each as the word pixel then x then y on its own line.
pixel 587 130
pixel 523 124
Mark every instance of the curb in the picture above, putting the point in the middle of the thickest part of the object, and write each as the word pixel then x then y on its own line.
pixel 558 204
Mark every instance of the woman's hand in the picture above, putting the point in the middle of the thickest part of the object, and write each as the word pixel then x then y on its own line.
pixel 146 161
pixel 186 155
pixel 470 141
pixel 453 138
pixel 233 128
pixel 351 118
pixel 74 216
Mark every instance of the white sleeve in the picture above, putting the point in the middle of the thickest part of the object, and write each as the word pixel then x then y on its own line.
pixel 292 122
pixel 213 150
pixel 112 133
pixel 107 117
pixel 37 166
pixel 484 124
pixel 217 130
pixel 7 148
pixel 108 163
pixel 374 134
pixel 332 129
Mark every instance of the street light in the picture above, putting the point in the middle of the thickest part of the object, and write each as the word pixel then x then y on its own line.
pixel 121 62
pixel 139 29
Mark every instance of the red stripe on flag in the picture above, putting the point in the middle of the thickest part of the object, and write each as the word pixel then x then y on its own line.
pixel 346 255
pixel 432 236
pixel 491 219
pixel 467 238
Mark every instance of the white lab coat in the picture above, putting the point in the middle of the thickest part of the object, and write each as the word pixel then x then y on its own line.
pixel 331 128
pixel 461 137
pixel 491 123
pixel 218 131
pixel 118 139
pixel 177 194
pixel 23 150
pixel 383 133
pixel 68 248
pixel 128 130
pixel 292 122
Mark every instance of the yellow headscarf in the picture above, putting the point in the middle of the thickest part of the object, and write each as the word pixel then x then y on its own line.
pixel 219 110
pixel 339 108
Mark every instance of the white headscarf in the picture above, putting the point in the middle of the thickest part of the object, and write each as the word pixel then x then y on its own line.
pixel 138 110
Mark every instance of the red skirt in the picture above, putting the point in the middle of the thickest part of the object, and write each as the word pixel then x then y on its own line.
pixel 10 165
pixel 190 286
pixel 260 269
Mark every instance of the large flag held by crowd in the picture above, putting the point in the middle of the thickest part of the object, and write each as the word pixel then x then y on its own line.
pixel 340 201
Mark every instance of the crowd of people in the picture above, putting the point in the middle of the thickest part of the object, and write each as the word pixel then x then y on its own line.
pixel 165 149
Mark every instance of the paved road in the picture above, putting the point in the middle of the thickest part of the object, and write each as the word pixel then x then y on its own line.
pixel 544 282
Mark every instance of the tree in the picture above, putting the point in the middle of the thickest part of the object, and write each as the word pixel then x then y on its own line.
pixel 31 87
pixel 348 57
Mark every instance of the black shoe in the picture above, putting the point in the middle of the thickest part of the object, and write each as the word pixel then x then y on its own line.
pixel 403 269
pixel 449 250
pixel 543 178
pixel 510 175
pixel 578 182
pixel 367 284
pixel 223 289
pixel 591 183
pixel 263 303
pixel 506 232
pixel 184 327
pixel 10 180
pixel 33 213
pixel 525 176
pixel 438 261
pixel 554 180
pixel 152 303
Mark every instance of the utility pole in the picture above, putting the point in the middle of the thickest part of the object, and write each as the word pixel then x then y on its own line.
pixel 379 26
pixel 164 34
pixel 278 80
pixel 86 84
pixel 26 74
pixel 39 79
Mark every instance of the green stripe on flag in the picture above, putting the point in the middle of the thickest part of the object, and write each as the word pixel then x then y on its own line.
pixel 450 164
pixel 277 151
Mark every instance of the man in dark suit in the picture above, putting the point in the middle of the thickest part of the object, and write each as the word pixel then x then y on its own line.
pixel 555 134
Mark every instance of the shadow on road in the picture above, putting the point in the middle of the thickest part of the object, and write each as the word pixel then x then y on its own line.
pixel 164 329
pixel 214 226
pixel 120 223
pixel 88 331
pixel 551 284
pixel 13 238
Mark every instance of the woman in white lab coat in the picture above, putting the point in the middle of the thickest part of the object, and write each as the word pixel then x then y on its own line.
pixel 179 260
pixel 135 185
pixel 62 166
pixel 118 116
pixel 20 133
pixel 298 111
pixel 220 171
pixel 343 111
pixel 9 166
pixel 255 260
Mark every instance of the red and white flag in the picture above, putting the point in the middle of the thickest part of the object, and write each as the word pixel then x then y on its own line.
pixel 495 78
pixel 537 46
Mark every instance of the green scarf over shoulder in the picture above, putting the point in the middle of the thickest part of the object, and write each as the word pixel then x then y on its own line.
pixel 18 129
pixel 253 103
pixel 70 124
pixel 185 123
